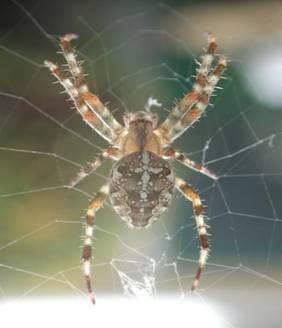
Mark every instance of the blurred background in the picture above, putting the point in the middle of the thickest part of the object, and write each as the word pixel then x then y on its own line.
pixel 133 50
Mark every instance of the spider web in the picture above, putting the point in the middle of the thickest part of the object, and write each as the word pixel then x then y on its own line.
pixel 138 56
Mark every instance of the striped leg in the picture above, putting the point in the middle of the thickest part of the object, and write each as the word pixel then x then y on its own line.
pixel 76 71
pixel 110 152
pixel 192 97
pixel 90 117
pixel 192 195
pixel 94 206
pixel 196 111
pixel 171 153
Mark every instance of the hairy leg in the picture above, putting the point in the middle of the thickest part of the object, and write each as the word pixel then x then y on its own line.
pixel 110 152
pixel 93 207
pixel 197 110
pixel 76 71
pixel 90 117
pixel 193 96
pixel 170 153
pixel 193 196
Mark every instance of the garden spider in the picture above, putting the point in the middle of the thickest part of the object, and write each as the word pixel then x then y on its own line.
pixel 142 181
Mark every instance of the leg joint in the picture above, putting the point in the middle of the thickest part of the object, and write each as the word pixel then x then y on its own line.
pixel 204 240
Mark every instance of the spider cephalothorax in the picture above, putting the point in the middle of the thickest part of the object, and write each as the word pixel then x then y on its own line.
pixel 141 182
pixel 140 134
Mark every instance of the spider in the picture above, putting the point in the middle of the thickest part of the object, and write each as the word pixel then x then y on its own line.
pixel 141 181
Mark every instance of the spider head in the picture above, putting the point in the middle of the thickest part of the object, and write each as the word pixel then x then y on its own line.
pixel 141 116
pixel 140 126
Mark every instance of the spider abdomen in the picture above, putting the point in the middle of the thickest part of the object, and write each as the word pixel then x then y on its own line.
pixel 141 187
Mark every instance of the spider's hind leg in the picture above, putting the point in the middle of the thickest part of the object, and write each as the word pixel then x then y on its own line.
pixel 93 207
pixel 193 196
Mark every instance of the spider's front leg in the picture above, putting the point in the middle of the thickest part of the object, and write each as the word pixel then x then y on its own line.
pixel 89 106
pixel 94 206
pixel 91 99
pixel 193 196
pixel 196 111
pixel 193 96
pixel 89 116
pixel 193 104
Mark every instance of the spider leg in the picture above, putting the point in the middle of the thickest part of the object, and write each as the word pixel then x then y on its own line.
pixel 197 110
pixel 193 196
pixel 192 97
pixel 93 207
pixel 170 153
pixel 75 69
pixel 110 152
pixel 90 117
